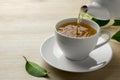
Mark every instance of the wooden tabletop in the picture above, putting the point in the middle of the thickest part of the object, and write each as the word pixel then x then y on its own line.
pixel 24 24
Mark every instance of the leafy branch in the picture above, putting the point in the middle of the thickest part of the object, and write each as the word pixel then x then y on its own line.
pixel 106 22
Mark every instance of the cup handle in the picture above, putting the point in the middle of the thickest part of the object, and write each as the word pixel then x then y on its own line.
pixel 107 40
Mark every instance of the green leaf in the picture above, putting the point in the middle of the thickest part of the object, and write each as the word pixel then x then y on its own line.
pixel 116 36
pixel 34 69
pixel 87 16
pixel 101 22
pixel 116 23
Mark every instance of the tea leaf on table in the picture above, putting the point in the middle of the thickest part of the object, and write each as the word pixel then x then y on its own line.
pixel 116 36
pixel 34 69
pixel 116 23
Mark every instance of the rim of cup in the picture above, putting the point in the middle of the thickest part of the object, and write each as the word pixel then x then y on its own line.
pixel 89 22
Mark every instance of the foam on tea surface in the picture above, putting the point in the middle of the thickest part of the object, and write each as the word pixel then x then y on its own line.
pixel 69 29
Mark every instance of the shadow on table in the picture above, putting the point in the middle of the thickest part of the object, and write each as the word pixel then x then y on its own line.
pixel 100 74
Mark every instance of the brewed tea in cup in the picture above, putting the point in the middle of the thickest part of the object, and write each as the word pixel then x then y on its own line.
pixel 71 29
pixel 77 45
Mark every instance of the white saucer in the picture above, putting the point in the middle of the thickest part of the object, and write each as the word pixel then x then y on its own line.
pixel 97 59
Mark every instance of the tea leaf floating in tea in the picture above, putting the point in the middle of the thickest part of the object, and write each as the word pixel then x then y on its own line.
pixel 34 69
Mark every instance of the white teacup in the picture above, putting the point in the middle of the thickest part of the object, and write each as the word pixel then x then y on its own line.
pixel 79 48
